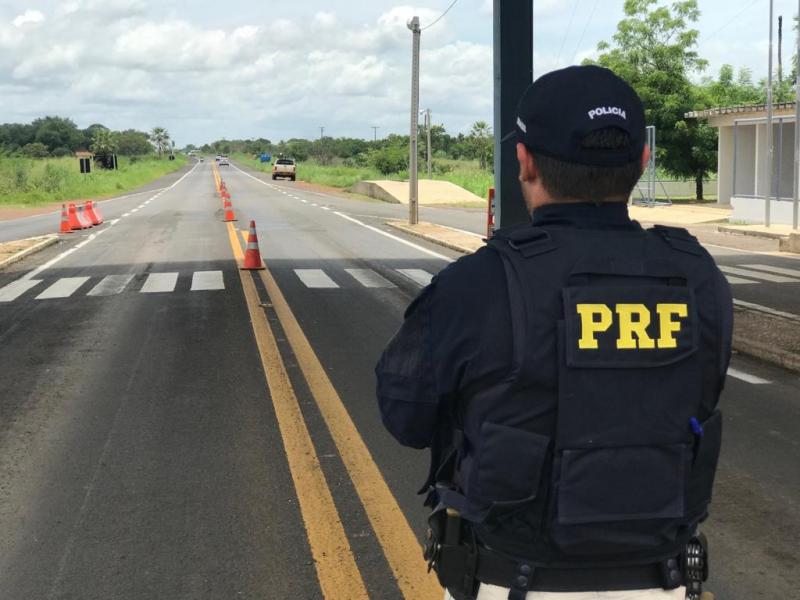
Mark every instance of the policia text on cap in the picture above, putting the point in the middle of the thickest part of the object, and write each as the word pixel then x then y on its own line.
pixel 566 376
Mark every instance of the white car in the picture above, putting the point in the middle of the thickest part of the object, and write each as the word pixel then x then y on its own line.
pixel 223 160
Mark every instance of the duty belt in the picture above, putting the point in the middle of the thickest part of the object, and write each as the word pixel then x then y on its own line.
pixel 497 569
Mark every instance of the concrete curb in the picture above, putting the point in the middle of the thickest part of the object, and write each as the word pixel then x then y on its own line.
pixel 763 351
pixel 44 243
pixel 752 233
pixel 452 245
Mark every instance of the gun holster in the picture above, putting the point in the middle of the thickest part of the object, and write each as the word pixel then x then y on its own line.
pixel 452 552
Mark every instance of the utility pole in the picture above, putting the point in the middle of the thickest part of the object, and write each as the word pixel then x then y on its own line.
pixel 770 149
pixel 428 145
pixel 413 183
pixel 780 49
pixel 796 192
pixel 321 132
pixel 375 130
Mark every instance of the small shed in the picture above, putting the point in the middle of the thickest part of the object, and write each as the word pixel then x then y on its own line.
pixel 742 165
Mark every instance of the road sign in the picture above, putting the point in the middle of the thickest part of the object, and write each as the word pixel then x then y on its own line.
pixel 265 158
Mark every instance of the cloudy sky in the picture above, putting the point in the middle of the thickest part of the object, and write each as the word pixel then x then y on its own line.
pixel 239 68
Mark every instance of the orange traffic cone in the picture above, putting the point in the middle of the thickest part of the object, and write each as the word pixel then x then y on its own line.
pixel 229 215
pixel 75 222
pixel 252 256
pixel 93 213
pixel 65 226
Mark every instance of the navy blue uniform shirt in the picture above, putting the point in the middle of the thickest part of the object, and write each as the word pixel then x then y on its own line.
pixel 456 333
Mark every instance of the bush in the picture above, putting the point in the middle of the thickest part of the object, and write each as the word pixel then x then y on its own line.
pixel 388 160
pixel 52 178
pixel 35 150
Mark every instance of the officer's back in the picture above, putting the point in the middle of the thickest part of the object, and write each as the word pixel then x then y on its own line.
pixel 566 376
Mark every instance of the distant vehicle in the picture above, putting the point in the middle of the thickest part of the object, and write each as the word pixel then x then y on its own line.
pixel 223 160
pixel 217 157
pixel 202 158
pixel 284 167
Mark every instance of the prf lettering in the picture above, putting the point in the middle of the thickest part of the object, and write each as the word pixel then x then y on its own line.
pixel 633 319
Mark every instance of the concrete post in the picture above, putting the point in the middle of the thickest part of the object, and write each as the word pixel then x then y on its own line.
pixel 413 183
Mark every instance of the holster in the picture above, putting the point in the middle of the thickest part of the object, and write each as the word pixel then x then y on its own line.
pixel 452 552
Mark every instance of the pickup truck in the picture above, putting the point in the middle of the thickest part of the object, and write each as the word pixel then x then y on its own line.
pixel 284 167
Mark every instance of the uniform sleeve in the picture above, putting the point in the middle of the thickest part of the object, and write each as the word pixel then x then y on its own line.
pixel 406 387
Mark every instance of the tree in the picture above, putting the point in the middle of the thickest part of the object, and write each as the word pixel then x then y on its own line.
pixel 481 143
pixel 133 143
pixel 35 150
pixel 57 132
pixel 104 144
pixel 160 139
pixel 653 50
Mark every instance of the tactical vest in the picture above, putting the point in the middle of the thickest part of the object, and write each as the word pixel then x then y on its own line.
pixel 601 445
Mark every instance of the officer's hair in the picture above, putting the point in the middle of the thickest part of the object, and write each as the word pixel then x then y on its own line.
pixel 570 181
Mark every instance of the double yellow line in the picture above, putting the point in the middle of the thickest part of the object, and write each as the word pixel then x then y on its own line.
pixel 337 570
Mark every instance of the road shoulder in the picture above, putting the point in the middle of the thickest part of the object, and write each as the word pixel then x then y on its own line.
pixel 13 252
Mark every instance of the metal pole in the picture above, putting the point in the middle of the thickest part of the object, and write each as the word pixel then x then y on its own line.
pixel 770 149
pixel 375 131
pixel 735 157
pixel 413 184
pixel 796 191
pixel 513 73
pixel 430 151
pixel 780 160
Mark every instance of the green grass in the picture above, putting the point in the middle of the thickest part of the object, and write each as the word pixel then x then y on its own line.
pixel 467 174
pixel 31 182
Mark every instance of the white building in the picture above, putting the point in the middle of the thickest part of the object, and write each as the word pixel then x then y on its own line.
pixel 742 175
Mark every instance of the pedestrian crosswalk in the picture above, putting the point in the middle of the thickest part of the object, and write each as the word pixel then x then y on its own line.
pixel 163 283
pixel 110 285
pixel 748 274
pixel 368 278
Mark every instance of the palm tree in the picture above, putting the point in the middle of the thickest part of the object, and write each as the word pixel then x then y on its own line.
pixel 481 137
pixel 104 142
pixel 160 139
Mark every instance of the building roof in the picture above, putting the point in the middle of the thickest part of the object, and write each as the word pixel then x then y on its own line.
pixel 727 110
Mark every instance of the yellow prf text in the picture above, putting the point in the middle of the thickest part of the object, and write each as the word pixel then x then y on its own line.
pixel 633 319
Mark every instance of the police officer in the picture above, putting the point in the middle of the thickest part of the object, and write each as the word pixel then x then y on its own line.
pixel 566 376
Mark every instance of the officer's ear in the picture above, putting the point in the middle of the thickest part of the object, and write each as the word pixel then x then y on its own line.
pixel 527 166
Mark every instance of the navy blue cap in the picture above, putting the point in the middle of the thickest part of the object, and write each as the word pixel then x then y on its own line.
pixel 561 108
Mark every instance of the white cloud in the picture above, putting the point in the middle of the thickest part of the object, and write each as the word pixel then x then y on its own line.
pixel 114 62
pixel 29 16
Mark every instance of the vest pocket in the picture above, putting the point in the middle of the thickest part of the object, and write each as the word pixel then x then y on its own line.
pixel 704 466
pixel 610 500
pixel 508 465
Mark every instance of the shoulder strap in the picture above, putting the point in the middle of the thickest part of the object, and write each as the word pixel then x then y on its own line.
pixel 679 239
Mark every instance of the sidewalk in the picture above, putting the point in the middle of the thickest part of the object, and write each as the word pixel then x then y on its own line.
pixel 11 252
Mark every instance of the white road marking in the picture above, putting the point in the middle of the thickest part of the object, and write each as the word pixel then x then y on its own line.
pixel 766 309
pixel 756 274
pixel 395 238
pixel 779 270
pixel 755 380
pixel 159 282
pixel 324 208
pixel 141 206
pixel 127 214
pixel 369 278
pixel 304 201
pixel 314 204
pixel 419 276
pixel 15 289
pixel 63 288
pixel 207 280
pixel 737 280
pixel 111 285
pixel 315 278
pixel 134 210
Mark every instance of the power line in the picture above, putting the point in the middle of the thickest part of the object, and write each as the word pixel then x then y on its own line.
pixel 585 27
pixel 441 16
pixel 569 26
pixel 729 21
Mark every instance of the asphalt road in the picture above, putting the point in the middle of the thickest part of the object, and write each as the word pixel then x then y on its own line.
pixel 143 453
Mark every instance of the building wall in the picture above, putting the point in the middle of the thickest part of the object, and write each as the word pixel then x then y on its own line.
pixel 725 165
